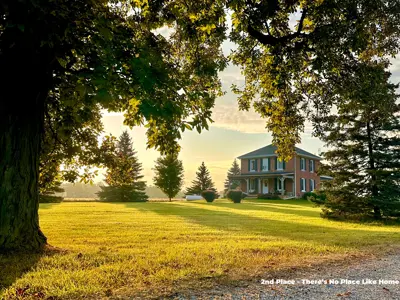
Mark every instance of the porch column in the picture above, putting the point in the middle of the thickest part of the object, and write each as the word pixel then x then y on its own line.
pixel 282 185
pixel 247 185
pixel 293 190
pixel 259 186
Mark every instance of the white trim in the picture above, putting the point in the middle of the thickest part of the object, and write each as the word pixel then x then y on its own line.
pixel 312 162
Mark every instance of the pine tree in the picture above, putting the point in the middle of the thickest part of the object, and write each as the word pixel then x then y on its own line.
pixel 48 190
pixel 234 170
pixel 168 175
pixel 124 175
pixel 364 142
pixel 202 182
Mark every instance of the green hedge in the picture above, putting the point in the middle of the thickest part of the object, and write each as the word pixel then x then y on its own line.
pixel 209 195
pixel 267 196
pixel 235 196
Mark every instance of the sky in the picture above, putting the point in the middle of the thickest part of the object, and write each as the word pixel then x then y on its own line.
pixel 232 134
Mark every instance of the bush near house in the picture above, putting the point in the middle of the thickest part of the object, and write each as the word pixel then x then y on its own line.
pixel 209 195
pixel 317 197
pixel 309 194
pixel 268 196
pixel 235 196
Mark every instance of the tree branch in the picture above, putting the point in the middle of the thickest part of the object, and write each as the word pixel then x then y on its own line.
pixel 301 23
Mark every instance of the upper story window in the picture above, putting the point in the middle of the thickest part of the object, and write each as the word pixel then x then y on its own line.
pixel 279 164
pixel 253 165
pixel 312 165
pixel 302 164
pixel 265 164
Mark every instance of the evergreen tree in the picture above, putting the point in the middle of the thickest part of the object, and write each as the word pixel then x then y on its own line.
pixel 202 182
pixel 48 190
pixel 234 170
pixel 169 175
pixel 364 147
pixel 123 176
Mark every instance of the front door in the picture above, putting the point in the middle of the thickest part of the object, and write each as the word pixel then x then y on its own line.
pixel 265 186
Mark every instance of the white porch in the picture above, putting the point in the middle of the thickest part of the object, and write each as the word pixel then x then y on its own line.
pixel 282 185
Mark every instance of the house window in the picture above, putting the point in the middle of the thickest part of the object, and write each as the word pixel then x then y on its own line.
pixel 311 166
pixel 302 184
pixel 253 165
pixel 279 165
pixel 312 185
pixel 302 164
pixel 265 164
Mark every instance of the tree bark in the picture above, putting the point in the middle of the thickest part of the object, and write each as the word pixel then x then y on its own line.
pixel 20 135
pixel 26 70
pixel 374 187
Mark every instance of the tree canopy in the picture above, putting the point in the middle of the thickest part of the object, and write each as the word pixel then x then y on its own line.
pixel 98 54
pixel 234 170
pixel 111 55
pixel 124 171
pixel 202 182
pixel 363 140
pixel 168 175
pixel 286 49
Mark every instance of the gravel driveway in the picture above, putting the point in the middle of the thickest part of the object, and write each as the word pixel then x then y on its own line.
pixel 384 268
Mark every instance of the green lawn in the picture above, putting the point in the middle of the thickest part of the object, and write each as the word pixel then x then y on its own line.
pixel 131 249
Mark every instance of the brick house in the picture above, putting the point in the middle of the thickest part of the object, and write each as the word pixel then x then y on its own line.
pixel 263 173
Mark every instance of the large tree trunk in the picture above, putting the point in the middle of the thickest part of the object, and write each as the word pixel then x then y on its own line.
pixel 26 72
pixel 20 135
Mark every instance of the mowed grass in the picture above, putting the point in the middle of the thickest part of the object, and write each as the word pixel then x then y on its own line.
pixel 156 249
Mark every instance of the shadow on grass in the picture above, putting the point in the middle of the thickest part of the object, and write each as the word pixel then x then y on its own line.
pixel 14 266
pixel 243 224
pixel 310 213
pixel 48 205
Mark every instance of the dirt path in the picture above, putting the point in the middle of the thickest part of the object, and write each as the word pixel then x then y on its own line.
pixel 384 268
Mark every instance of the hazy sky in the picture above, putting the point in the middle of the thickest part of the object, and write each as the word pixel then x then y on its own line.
pixel 233 133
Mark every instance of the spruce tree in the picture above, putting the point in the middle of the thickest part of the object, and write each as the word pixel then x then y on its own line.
pixel 123 175
pixel 202 182
pixel 364 147
pixel 168 175
pixel 234 170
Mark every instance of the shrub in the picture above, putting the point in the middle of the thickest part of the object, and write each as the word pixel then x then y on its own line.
pixel 317 197
pixel 50 199
pixel 308 194
pixel 267 196
pixel 235 196
pixel 209 195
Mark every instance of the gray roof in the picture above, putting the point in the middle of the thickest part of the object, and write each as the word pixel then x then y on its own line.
pixel 259 174
pixel 270 150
